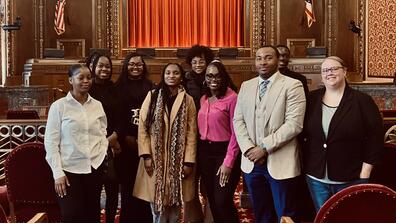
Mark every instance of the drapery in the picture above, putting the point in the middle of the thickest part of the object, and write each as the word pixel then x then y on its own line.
pixel 182 23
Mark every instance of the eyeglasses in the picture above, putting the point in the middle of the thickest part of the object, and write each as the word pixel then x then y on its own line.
pixel 213 77
pixel 135 64
pixel 331 69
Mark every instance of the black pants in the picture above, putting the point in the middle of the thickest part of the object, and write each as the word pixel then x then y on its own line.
pixel 82 201
pixel 221 199
pixel 111 189
pixel 132 208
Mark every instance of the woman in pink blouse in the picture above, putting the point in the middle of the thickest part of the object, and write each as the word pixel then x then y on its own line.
pixel 218 150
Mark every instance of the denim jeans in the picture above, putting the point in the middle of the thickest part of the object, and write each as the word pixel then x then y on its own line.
pixel 170 214
pixel 321 192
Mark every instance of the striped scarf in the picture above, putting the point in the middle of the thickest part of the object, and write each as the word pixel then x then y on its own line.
pixel 173 164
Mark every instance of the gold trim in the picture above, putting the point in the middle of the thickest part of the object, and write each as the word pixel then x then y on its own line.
pixel 361 42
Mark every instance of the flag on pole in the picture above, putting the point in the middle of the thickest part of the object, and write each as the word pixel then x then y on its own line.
pixel 309 12
pixel 59 20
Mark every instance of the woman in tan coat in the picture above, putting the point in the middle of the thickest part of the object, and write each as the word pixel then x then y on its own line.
pixel 167 147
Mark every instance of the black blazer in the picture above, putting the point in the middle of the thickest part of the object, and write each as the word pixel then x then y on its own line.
pixel 355 136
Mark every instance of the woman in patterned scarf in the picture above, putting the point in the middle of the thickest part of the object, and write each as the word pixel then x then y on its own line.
pixel 167 147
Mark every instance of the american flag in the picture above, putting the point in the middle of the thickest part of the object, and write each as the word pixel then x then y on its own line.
pixel 59 20
pixel 309 12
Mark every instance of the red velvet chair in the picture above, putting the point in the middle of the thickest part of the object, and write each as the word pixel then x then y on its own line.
pixel 30 186
pixel 364 203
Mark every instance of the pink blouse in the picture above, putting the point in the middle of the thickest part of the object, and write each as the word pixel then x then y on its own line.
pixel 215 123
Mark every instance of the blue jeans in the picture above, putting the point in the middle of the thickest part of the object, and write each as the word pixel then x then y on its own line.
pixel 171 214
pixel 321 192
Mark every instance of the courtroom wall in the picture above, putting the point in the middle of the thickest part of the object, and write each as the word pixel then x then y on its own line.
pixel 97 21
pixel 37 31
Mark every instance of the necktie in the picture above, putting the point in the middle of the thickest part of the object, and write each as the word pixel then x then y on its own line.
pixel 263 88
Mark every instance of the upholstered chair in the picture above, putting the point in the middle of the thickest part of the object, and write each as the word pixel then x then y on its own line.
pixel 364 203
pixel 30 186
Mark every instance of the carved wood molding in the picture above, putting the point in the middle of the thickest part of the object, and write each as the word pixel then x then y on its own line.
pixel 98 20
pixel 258 25
pixel 11 39
pixel 361 43
pixel 112 27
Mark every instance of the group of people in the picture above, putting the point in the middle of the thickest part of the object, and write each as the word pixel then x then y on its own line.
pixel 156 142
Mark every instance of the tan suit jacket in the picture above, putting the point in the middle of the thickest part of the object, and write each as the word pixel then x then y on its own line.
pixel 145 185
pixel 282 120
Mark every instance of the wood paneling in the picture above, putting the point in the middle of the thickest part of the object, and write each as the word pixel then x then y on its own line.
pixel 39 22
pixel 78 18
pixel 89 19
pixel 24 38
pixel 293 21
pixel 346 46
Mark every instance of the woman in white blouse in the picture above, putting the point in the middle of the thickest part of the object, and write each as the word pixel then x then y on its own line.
pixel 76 145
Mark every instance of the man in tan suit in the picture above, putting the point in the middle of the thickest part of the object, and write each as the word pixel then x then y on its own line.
pixel 268 116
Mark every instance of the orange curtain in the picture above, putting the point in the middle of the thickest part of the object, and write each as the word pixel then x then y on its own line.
pixel 183 23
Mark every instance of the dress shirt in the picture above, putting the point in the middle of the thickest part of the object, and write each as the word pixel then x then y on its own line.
pixel 215 123
pixel 260 79
pixel 259 127
pixel 75 136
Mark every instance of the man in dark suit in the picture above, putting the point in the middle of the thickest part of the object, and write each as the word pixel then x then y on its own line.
pixel 284 59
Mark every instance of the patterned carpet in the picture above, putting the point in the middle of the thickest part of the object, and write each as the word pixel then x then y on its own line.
pixel 245 215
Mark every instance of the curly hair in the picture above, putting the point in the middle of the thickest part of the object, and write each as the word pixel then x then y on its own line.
pixel 200 51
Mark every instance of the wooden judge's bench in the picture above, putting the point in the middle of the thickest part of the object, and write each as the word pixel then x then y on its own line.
pixel 53 72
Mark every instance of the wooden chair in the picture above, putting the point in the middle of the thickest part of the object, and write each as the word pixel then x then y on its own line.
pixel 390 135
pixel 39 218
pixel 30 186
pixel 286 219
pixel 364 203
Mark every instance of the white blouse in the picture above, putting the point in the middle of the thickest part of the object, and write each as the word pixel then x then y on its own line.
pixel 75 136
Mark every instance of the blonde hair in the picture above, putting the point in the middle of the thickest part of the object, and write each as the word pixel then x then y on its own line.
pixel 339 60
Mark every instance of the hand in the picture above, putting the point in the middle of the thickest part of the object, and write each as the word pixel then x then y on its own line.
pixel 131 141
pixel 187 171
pixel 149 166
pixel 256 153
pixel 365 171
pixel 116 148
pixel 60 186
pixel 224 173
pixel 261 161
pixel 112 139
